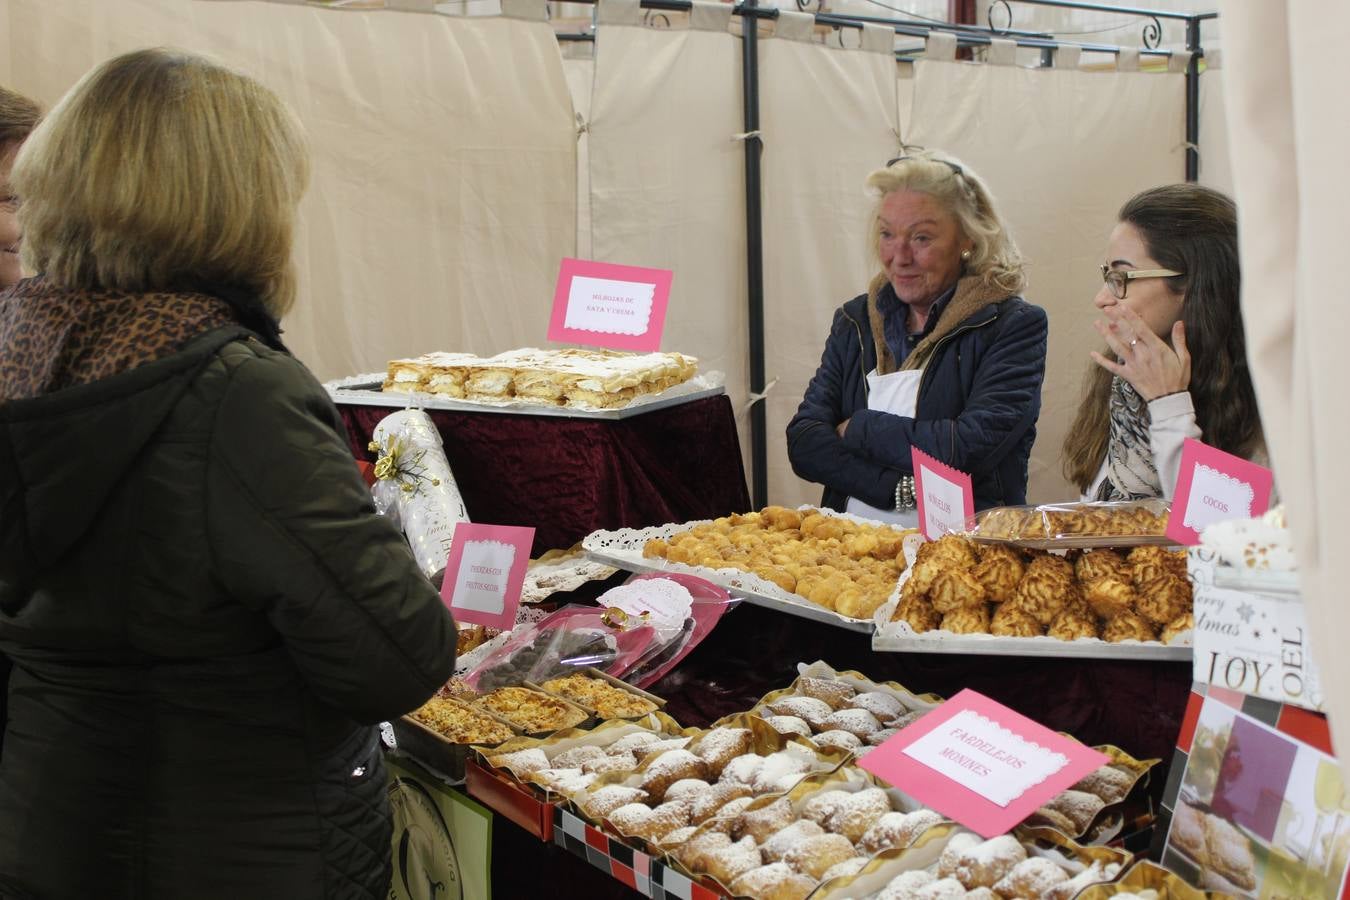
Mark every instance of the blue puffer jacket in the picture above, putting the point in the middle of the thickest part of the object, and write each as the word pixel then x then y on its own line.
pixel 979 399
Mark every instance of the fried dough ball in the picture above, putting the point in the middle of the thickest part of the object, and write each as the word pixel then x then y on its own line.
pixel 1044 588
pixel 750 518
pixel 778 575
pixel 1010 621
pixel 890 543
pixel 1164 599
pixel 859 605
pixel 967 620
pixel 955 589
pixel 999 570
pixel 1096 564
pixel 780 518
pixel 1128 626
pixel 860 545
pixel 919 613
pixel 680 553
pixel 654 549
pixel 1109 597
pixel 1070 625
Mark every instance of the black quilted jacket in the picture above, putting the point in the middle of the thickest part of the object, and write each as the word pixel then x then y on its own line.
pixel 977 408
pixel 205 618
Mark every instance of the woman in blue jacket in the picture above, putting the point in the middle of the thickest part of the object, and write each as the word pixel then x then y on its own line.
pixel 941 353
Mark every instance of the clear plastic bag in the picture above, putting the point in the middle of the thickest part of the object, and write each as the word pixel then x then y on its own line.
pixel 423 492
pixel 568 640
pixel 1125 523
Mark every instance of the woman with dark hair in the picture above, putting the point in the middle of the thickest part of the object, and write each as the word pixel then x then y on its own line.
pixel 1177 366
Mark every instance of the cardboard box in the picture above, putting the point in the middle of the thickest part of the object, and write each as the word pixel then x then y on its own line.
pixel 645 874
pixel 510 799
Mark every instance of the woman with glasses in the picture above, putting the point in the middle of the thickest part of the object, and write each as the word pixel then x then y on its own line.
pixel 1177 361
pixel 940 353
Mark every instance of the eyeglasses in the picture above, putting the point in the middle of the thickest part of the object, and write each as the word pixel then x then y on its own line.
pixel 951 165
pixel 1118 280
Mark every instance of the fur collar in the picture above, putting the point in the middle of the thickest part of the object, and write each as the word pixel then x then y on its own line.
pixel 972 295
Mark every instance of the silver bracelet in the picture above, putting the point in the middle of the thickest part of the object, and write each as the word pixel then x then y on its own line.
pixel 904 494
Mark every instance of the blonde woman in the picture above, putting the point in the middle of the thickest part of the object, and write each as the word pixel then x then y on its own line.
pixel 941 353
pixel 18 117
pixel 205 615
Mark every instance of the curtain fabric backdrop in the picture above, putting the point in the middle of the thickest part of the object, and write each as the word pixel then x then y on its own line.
pixel 667 178
pixel 443 192
pixel 1061 149
pixel 828 117
pixel 1289 124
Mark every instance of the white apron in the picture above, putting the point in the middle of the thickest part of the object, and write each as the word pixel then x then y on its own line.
pixel 897 394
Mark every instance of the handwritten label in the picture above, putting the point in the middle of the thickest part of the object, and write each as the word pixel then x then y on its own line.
pixel 946 498
pixel 1213 487
pixel 980 763
pixel 485 572
pixel 606 305
pixel 1251 642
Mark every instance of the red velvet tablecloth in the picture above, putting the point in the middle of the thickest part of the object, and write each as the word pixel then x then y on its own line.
pixel 569 477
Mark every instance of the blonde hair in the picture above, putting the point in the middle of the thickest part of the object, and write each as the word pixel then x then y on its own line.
pixel 994 257
pixel 164 171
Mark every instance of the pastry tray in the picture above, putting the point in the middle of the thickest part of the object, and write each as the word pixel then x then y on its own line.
pixel 364 390
pixel 623 548
pixel 991 645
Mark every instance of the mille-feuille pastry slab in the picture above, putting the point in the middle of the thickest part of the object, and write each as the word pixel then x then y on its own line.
pixel 434 373
pixel 571 377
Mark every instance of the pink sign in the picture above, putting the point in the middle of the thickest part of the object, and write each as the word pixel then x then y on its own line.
pixel 980 763
pixel 1213 487
pixel 946 499
pixel 485 572
pixel 607 305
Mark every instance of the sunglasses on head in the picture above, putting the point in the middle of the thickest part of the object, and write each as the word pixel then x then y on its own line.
pixel 951 165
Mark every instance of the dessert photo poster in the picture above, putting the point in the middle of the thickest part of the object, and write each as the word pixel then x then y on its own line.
pixel 1260 814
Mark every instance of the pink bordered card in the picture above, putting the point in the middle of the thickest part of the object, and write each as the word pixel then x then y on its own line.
pixel 1215 486
pixel 946 498
pixel 607 305
pixel 980 763
pixel 485 572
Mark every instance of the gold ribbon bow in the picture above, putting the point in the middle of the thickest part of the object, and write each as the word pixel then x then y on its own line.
pixel 397 464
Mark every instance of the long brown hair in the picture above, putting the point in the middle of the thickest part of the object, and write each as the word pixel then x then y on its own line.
pixel 1191 229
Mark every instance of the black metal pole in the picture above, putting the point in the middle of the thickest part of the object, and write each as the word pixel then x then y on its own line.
pixel 754 254
pixel 1193 100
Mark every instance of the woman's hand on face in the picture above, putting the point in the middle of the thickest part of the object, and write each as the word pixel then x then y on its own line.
pixel 1147 362
pixel 842 427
